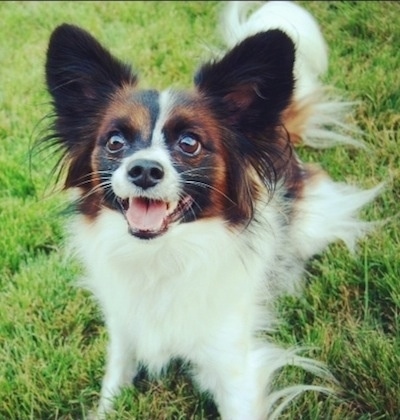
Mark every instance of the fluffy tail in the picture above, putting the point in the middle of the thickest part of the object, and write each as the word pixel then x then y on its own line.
pixel 315 117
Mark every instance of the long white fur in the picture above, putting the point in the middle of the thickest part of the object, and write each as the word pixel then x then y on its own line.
pixel 203 292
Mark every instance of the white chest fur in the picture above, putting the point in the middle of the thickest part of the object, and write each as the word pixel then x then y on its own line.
pixel 172 296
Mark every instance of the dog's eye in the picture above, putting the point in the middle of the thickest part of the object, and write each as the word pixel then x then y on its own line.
pixel 189 145
pixel 115 143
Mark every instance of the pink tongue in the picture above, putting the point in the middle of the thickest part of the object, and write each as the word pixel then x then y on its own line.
pixel 144 214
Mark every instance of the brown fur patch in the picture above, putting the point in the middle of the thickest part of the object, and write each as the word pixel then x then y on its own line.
pixel 123 106
pixel 307 176
pixel 314 174
pixel 295 119
pixel 296 116
pixel 192 116
pixel 136 118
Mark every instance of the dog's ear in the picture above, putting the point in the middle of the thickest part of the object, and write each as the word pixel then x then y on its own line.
pixel 80 72
pixel 81 76
pixel 253 83
pixel 248 89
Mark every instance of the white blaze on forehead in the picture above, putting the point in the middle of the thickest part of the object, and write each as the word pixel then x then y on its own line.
pixel 167 100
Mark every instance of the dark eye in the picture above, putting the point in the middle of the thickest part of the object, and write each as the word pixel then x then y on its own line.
pixel 189 144
pixel 115 143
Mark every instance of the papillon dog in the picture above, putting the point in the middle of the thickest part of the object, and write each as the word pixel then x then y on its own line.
pixel 193 212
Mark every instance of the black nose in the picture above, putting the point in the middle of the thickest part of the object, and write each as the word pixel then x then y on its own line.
pixel 145 173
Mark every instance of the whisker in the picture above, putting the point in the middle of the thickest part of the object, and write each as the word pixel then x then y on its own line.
pixel 88 178
pixel 194 170
pixel 210 187
pixel 101 186
pixel 182 196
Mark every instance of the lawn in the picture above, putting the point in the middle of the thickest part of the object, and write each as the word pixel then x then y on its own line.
pixel 52 339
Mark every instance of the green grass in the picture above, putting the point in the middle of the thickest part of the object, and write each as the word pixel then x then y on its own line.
pixel 52 339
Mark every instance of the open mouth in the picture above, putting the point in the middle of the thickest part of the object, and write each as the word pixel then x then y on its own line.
pixel 149 218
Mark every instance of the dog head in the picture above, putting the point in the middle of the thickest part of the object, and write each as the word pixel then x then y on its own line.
pixel 162 158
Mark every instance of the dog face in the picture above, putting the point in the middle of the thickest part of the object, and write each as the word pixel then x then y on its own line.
pixel 162 158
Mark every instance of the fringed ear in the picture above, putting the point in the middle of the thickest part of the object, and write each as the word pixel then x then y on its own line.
pixel 80 71
pixel 253 83
pixel 248 89
pixel 81 77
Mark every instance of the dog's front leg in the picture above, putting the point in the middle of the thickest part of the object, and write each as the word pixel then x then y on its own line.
pixel 120 370
pixel 232 378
